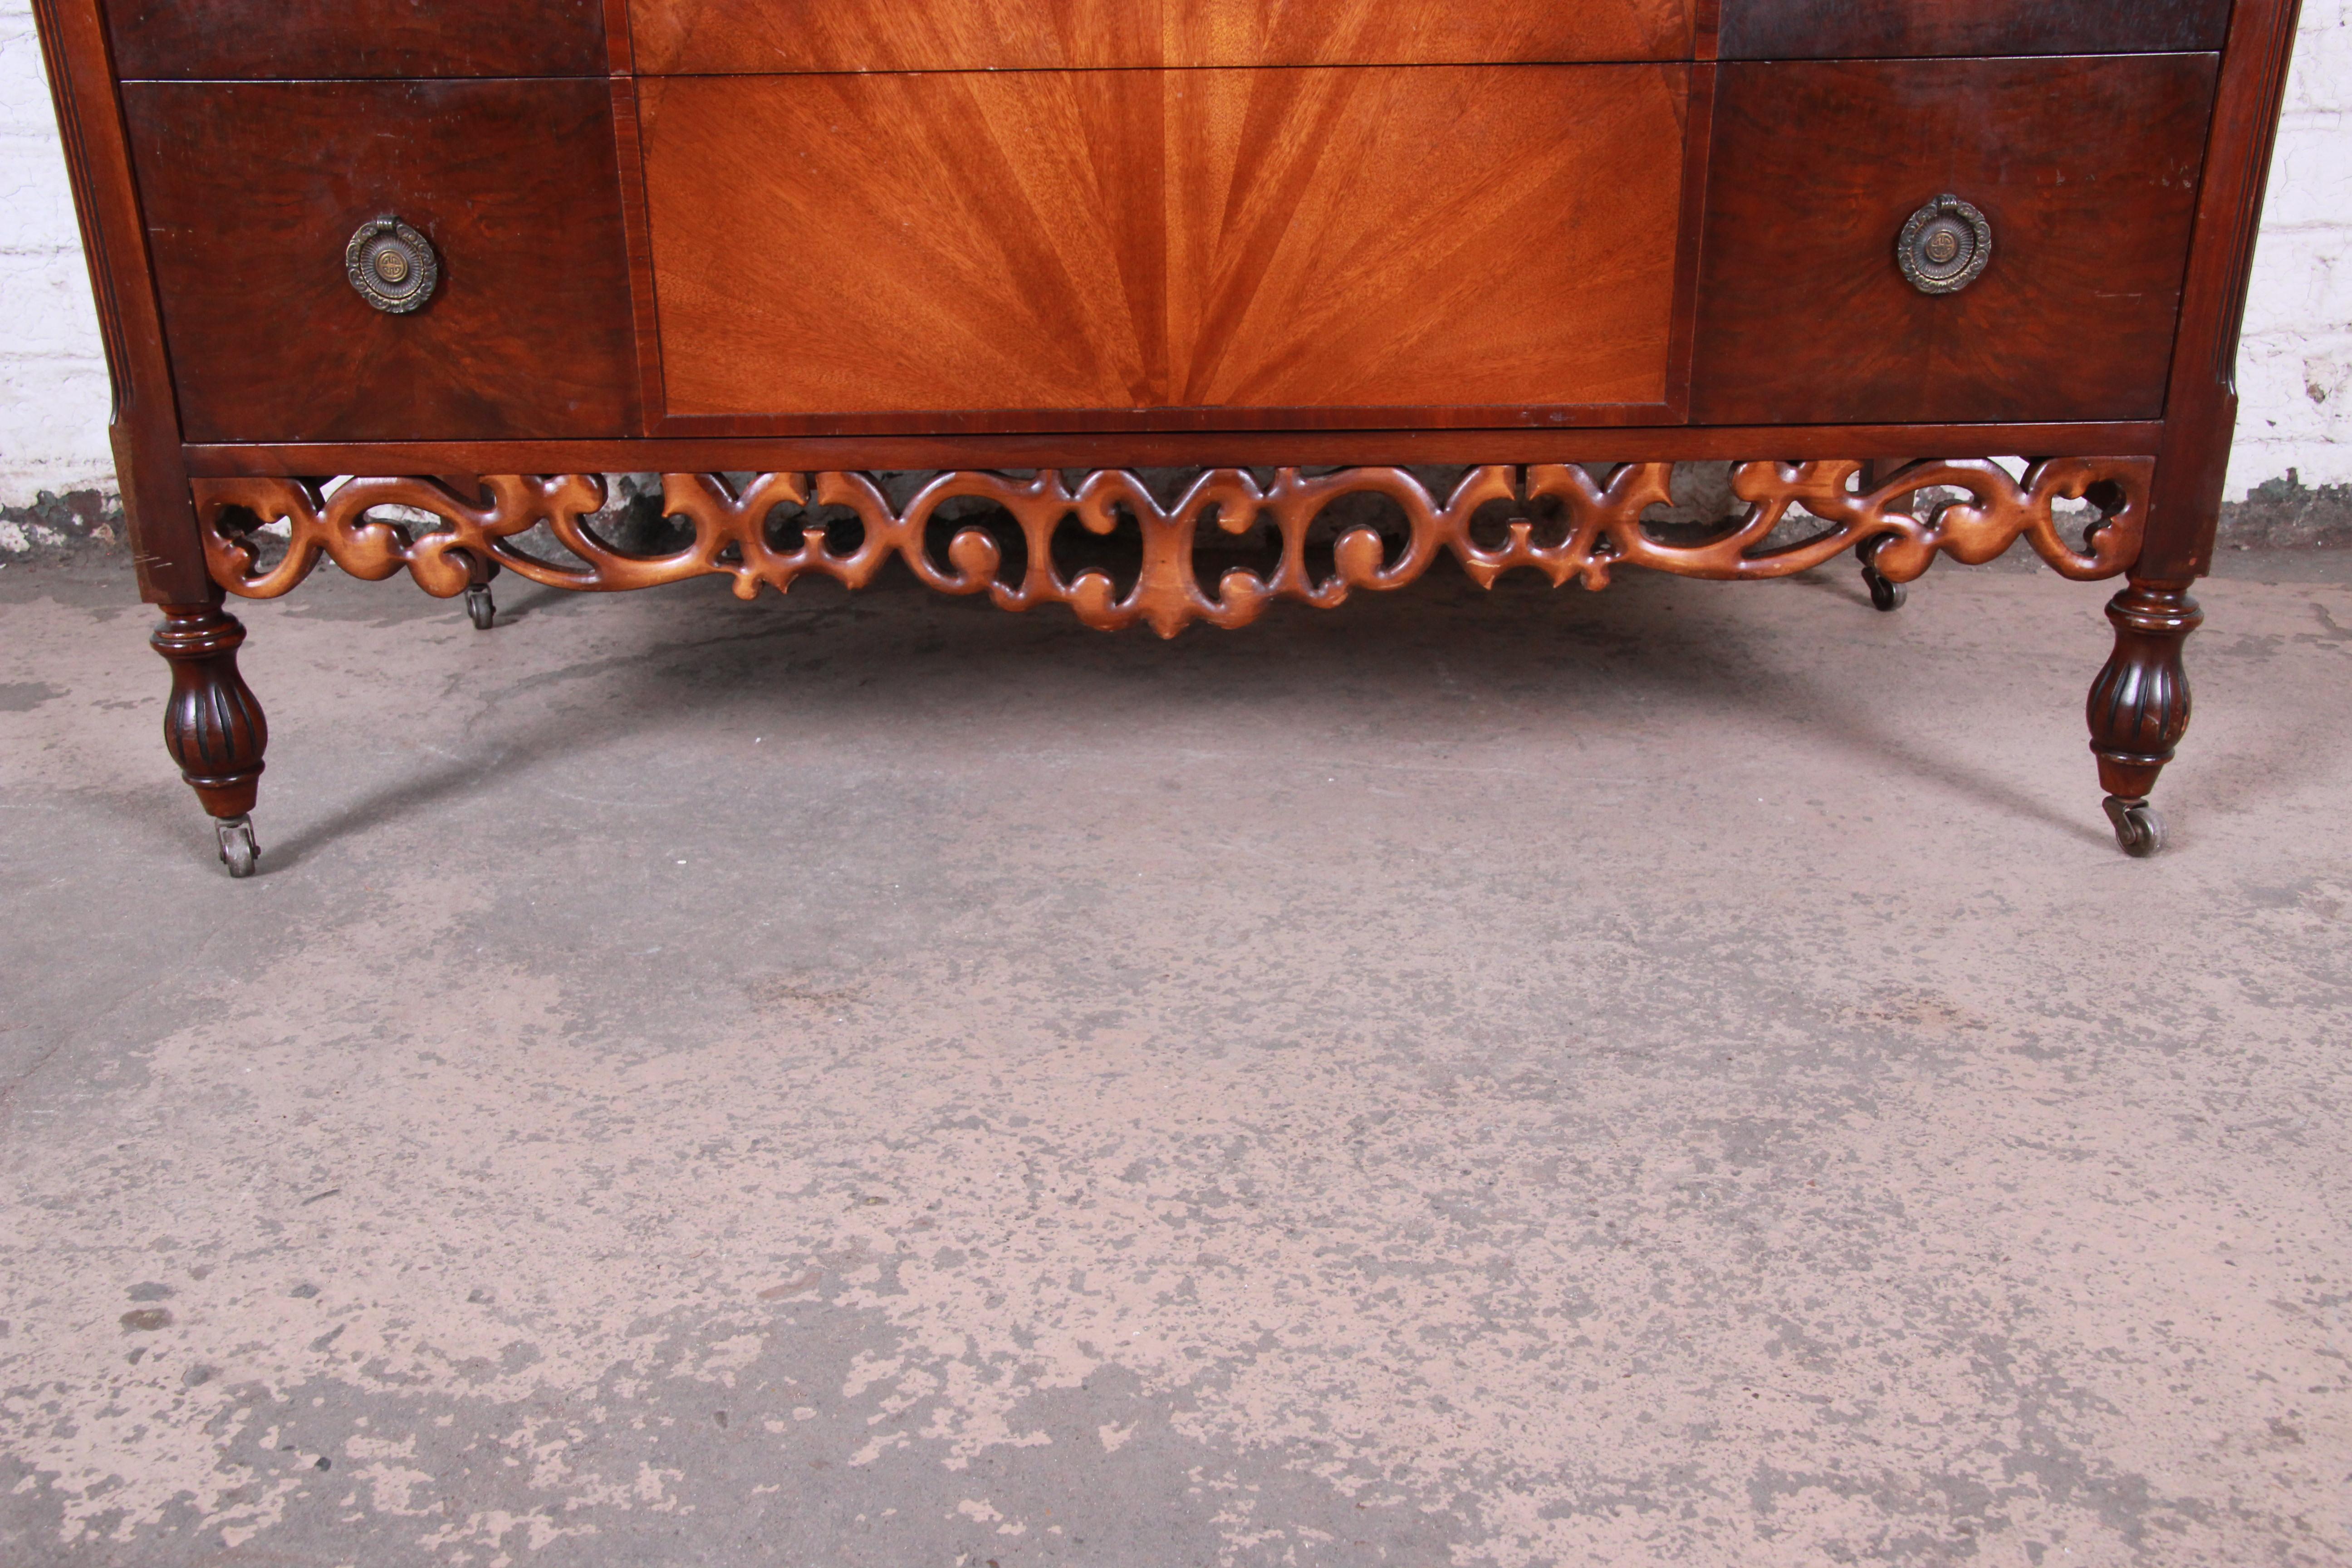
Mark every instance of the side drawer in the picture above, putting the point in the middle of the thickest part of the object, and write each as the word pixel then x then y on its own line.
pixel 2084 172
pixel 1262 240
pixel 696 36
pixel 1857 30
pixel 200 40
pixel 252 191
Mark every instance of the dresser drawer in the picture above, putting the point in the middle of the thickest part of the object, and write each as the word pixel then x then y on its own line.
pixel 1850 29
pixel 199 40
pixel 2084 172
pixel 253 190
pixel 700 36
pixel 1135 240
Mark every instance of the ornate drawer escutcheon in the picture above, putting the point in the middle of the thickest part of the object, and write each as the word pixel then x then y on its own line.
pixel 1945 246
pixel 1555 518
pixel 394 267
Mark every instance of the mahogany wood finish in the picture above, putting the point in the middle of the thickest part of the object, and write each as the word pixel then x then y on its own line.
pixel 201 40
pixel 1251 241
pixel 144 426
pixel 795 239
pixel 1338 448
pixel 252 190
pixel 2138 708
pixel 1554 519
pixel 702 36
pixel 212 726
pixel 1893 29
pixel 2087 170
pixel 2201 404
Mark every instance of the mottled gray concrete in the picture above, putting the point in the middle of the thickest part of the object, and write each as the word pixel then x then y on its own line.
pixel 1680 1074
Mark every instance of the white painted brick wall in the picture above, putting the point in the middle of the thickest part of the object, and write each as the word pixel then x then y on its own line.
pixel 53 392
pixel 2295 364
pixel 2296 374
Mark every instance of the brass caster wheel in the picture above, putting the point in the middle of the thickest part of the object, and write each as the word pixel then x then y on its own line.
pixel 479 605
pixel 238 850
pixel 1883 596
pixel 2137 827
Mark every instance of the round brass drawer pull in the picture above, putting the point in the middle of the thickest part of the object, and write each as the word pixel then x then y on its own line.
pixel 392 267
pixel 1945 246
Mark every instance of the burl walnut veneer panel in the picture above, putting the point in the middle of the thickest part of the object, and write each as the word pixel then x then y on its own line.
pixel 2086 170
pixel 1853 29
pixel 1262 240
pixel 696 36
pixel 196 40
pixel 252 190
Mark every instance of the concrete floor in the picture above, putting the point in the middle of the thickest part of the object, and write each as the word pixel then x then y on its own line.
pixel 1681 1075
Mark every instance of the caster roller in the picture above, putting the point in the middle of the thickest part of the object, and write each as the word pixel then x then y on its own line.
pixel 238 850
pixel 1883 596
pixel 2137 827
pixel 479 605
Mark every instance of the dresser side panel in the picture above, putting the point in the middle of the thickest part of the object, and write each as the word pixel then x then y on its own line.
pixel 142 426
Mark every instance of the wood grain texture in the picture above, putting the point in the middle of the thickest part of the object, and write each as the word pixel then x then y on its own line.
pixel 1190 448
pixel 1560 521
pixel 2139 706
pixel 2086 169
pixel 2201 407
pixel 1230 240
pixel 1851 29
pixel 196 40
pixel 620 47
pixel 251 191
pixel 629 158
pixel 213 726
pixel 691 36
pixel 1698 149
pixel 143 428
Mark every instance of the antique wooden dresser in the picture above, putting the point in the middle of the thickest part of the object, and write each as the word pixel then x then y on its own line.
pixel 403 279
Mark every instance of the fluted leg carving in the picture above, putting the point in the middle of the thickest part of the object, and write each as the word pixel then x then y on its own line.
pixel 2139 705
pixel 213 726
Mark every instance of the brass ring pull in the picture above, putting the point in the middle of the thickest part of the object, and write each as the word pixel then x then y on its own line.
pixel 394 267
pixel 1945 246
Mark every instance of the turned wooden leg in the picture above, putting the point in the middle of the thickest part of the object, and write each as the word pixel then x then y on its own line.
pixel 212 726
pixel 2139 705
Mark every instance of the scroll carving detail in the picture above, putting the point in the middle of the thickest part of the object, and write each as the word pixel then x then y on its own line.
pixel 1558 520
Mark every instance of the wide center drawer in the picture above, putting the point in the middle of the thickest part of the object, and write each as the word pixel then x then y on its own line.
pixel 1248 239
pixel 702 35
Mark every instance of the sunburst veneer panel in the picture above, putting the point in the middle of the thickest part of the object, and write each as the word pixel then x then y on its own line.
pixel 1259 240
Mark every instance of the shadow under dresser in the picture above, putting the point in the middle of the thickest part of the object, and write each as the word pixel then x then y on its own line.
pixel 403 279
